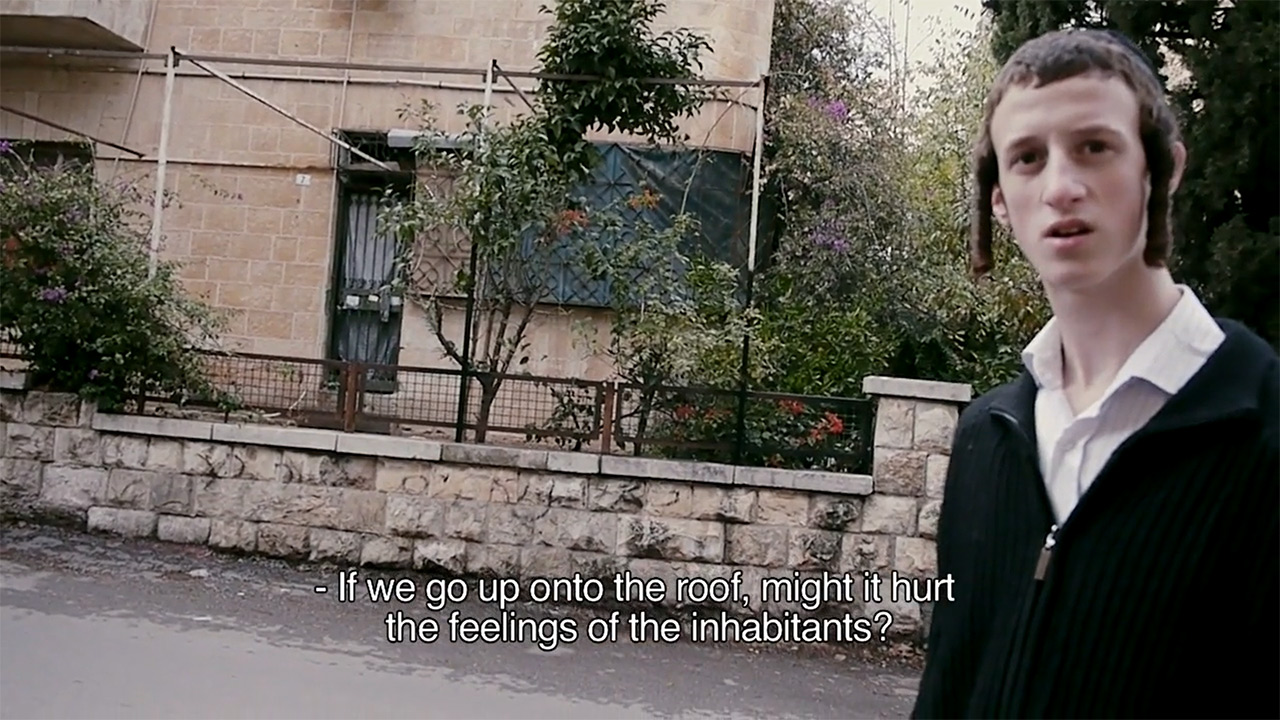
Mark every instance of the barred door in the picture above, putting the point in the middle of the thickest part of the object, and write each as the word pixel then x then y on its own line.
pixel 368 317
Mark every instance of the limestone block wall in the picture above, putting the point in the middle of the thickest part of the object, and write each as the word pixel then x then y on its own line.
pixel 472 510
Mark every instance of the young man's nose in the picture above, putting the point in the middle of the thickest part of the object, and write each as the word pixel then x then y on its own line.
pixel 1063 185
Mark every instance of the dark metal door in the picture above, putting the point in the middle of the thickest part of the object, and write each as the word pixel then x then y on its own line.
pixel 368 316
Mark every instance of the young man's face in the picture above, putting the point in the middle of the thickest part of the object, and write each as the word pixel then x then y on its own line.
pixel 1073 183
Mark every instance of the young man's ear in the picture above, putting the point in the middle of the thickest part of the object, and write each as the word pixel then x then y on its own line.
pixel 998 207
pixel 1179 166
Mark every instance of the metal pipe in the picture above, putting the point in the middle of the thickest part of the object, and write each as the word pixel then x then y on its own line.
pixel 137 86
pixel 755 175
pixel 162 158
pixel 223 77
pixel 76 52
pixel 512 83
pixel 334 65
pixel 73 131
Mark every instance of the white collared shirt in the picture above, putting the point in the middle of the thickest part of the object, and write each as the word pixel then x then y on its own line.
pixel 1074 449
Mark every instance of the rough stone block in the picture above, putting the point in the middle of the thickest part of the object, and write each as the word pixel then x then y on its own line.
pixel 935 426
pixel 51 409
pixel 10 406
pixel 833 512
pixel 493 561
pixel 392 475
pixel 165 454
pixel 915 556
pixel 72 488
pixel 758 545
pixel 512 524
pixel 730 505
pixel 671 539
pixel 600 566
pixel 76 446
pixel 927 526
pixel 577 530
pixel 895 423
pixel 314 506
pixel 670 499
pixel 866 553
pixel 415 516
pixel 291 542
pixel 220 497
pixel 125 451
pixel 335 546
pixel 4 439
pixel 188 530
pixel 29 442
pixel 19 484
pixel 210 459
pixel 782 507
pixel 899 472
pixel 465 520
pixel 546 562
pixel 458 482
pixel 387 552
pixel 358 473
pixel 449 556
pixel 813 549
pixel 936 475
pixel 119 521
pixel 615 495
pixel 163 492
pixel 258 462
pixel 889 515
pixel 236 535
pixel 555 490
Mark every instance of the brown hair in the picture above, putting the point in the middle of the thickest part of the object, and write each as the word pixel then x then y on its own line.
pixel 1065 54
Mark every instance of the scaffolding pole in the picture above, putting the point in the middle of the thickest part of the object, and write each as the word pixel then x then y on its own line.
pixel 162 161
pixel 328 137
pixel 753 235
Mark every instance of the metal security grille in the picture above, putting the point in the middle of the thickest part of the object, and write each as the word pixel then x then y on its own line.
pixel 368 314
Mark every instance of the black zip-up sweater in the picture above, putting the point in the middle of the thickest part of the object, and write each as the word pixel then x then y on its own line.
pixel 1160 594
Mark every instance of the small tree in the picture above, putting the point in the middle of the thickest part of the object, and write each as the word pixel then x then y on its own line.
pixel 512 187
pixel 76 296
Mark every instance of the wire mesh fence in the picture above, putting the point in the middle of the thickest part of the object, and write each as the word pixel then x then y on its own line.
pixel 691 423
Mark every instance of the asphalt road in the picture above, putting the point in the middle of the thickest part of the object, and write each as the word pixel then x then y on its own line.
pixel 100 627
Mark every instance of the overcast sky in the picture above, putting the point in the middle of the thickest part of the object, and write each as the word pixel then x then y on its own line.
pixel 919 25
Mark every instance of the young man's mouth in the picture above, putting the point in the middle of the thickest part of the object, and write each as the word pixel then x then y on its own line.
pixel 1068 232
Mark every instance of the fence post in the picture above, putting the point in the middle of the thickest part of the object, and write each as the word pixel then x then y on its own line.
pixel 610 397
pixel 351 400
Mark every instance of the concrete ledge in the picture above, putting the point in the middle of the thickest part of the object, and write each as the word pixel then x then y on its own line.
pixel 917 389
pixel 145 425
pixel 580 463
pixel 656 469
pixel 494 455
pixel 807 480
pixel 298 438
pixel 401 448
pixel 13 380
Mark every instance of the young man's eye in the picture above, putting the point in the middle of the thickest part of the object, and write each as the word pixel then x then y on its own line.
pixel 1026 158
pixel 1093 147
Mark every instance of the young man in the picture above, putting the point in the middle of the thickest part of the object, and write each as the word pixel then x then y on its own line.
pixel 1111 517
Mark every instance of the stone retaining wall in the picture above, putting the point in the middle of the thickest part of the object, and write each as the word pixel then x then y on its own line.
pixel 479 510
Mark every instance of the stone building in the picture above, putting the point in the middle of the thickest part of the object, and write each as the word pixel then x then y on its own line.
pixel 262 216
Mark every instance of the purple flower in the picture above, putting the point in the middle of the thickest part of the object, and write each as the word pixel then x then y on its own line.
pixel 5 146
pixel 838 110
pixel 93 374
pixel 829 238
pixel 53 295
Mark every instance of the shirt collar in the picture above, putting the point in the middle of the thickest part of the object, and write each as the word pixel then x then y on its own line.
pixel 1167 358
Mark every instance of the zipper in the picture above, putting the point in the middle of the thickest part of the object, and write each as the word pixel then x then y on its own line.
pixel 1046 553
